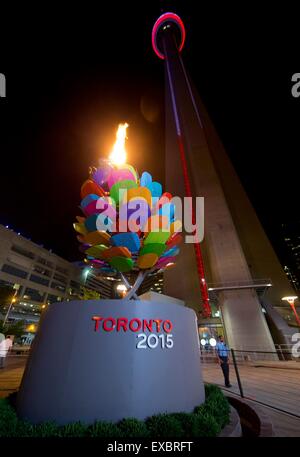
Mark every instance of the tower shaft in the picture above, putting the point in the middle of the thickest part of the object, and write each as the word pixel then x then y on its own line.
pixel 224 258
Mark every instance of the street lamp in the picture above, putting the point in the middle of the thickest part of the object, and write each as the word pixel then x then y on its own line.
pixel 31 328
pixel 291 301
pixel 13 300
pixel 86 273
pixel 122 289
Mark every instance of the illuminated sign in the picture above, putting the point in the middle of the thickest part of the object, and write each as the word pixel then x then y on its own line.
pixel 159 336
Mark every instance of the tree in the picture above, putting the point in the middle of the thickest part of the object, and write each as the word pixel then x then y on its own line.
pixel 88 294
pixel 16 328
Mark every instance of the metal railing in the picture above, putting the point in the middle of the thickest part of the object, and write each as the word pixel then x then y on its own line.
pixel 269 378
pixel 251 283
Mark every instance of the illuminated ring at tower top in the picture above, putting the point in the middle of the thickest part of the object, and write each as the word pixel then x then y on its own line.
pixel 167 17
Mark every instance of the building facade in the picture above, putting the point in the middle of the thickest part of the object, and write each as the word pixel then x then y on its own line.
pixel 153 283
pixel 291 240
pixel 40 277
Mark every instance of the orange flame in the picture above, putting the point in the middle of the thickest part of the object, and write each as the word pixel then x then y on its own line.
pixel 118 154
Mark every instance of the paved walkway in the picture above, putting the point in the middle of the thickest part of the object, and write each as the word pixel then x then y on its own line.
pixel 11 375
pixel 277 387
pixel 284 425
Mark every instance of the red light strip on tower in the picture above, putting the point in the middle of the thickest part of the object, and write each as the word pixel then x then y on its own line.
pixel 188 191
pixel 197 248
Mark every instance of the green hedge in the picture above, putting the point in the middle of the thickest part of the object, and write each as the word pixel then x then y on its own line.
pixel 207 419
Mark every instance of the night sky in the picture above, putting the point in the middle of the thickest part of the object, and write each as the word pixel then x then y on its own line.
pixel 74 73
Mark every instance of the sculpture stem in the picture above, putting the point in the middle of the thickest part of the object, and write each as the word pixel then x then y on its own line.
pixel 128 285
pixel 136 285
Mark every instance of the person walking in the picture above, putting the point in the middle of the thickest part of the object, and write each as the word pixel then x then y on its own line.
pixel 222 351
pixel 5 346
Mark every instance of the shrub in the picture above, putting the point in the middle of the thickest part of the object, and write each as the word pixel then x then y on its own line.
pixel 75 429
pixel 207 420
pixel 219 410
pixel 164 426
pixel 188 422
pixel 199 409
pixel 8 419
pixel 217 405
pixel 212 389
pixel 25 429
pixel 198 424
pixel 205 425
pixel 46 429
pixel 133 428
pixel 102 429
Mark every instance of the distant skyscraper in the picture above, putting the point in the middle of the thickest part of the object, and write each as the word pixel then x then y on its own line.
pixel 291 239
pixel 236 257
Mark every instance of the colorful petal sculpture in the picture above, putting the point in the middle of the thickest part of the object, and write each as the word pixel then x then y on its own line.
pixel 130 240
pixel 111 198
pixel 90 187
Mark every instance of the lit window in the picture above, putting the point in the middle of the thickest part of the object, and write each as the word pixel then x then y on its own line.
pixel 33 294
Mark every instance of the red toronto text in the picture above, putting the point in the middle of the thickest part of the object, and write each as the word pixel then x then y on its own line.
pixel 109 324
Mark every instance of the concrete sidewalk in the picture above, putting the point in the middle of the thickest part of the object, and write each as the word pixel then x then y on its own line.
pixel 11 375
pixel 277 387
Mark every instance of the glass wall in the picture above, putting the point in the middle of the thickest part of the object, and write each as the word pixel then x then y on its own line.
pixel 39 280
pixel 22 251
pixel 41 270
pixel 33 294
pixel 14 271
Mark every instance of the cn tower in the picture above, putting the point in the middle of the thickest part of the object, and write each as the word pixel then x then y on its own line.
pixel 235 257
